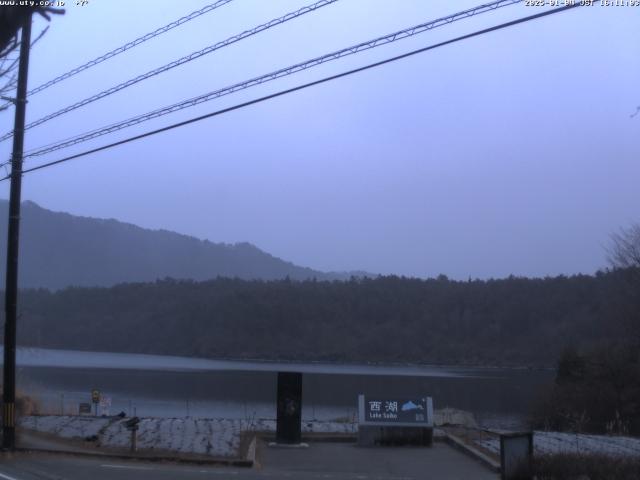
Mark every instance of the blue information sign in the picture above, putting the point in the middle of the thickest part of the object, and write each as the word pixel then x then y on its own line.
pixel 416 411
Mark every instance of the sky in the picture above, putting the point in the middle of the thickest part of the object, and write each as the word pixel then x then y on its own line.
pixel 513 153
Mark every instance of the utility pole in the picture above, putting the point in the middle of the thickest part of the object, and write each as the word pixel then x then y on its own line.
pixel 11 285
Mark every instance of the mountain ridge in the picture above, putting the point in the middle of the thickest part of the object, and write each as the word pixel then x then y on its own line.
pixel 59 249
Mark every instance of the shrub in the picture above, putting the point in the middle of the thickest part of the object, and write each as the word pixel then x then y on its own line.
pixel 567 466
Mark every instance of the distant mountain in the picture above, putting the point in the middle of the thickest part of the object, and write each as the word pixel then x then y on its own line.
pixel 59 250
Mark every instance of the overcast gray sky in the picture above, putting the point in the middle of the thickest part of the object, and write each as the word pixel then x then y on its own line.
pixel 511 153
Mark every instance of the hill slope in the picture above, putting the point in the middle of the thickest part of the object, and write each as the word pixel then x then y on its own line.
pixel 59 250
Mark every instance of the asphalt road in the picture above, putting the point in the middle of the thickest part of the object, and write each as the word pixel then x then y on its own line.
pixel 321 461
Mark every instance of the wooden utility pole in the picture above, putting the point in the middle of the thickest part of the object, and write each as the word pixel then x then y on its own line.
pixel 11 286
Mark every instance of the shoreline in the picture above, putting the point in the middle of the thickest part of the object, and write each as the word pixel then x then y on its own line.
pixel 32 357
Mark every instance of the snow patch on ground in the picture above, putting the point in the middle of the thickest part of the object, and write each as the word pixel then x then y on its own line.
pixel 66 427
pixel 452 416
pixel 216 437
pixel 557 442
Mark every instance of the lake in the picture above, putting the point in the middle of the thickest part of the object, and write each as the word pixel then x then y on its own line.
pixel 166 386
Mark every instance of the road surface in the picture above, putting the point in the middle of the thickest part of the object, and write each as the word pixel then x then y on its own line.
pixel 327 461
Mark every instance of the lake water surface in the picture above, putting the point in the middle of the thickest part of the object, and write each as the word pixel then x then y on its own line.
pixel 153 385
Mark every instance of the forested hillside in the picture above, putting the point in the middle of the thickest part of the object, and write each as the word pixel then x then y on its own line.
pixel 59 250
pixel 514 321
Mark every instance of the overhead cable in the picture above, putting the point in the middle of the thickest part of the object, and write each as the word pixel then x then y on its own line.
pixel 298 67
pixel 181 61
pixel 129 45
pixel 301 87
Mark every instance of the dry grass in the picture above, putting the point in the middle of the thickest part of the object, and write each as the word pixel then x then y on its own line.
pixel 25 405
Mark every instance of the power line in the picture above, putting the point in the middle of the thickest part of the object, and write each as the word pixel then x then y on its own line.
pixel 176 63
pixel 129 45
pixel 125 47
pixel 302 87
pixel 392 37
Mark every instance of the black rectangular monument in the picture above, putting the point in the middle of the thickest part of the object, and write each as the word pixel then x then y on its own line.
pixel 288 429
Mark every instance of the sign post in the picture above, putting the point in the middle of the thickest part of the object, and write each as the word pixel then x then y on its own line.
pixel 105 405
pixel 132 425
pixel 95 399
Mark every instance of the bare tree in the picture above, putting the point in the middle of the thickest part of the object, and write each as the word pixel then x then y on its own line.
pixel 624 294
pixel 624 251
pixel 8 68
pixel 11 18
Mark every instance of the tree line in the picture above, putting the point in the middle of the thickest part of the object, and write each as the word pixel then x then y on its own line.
pixel 512 321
